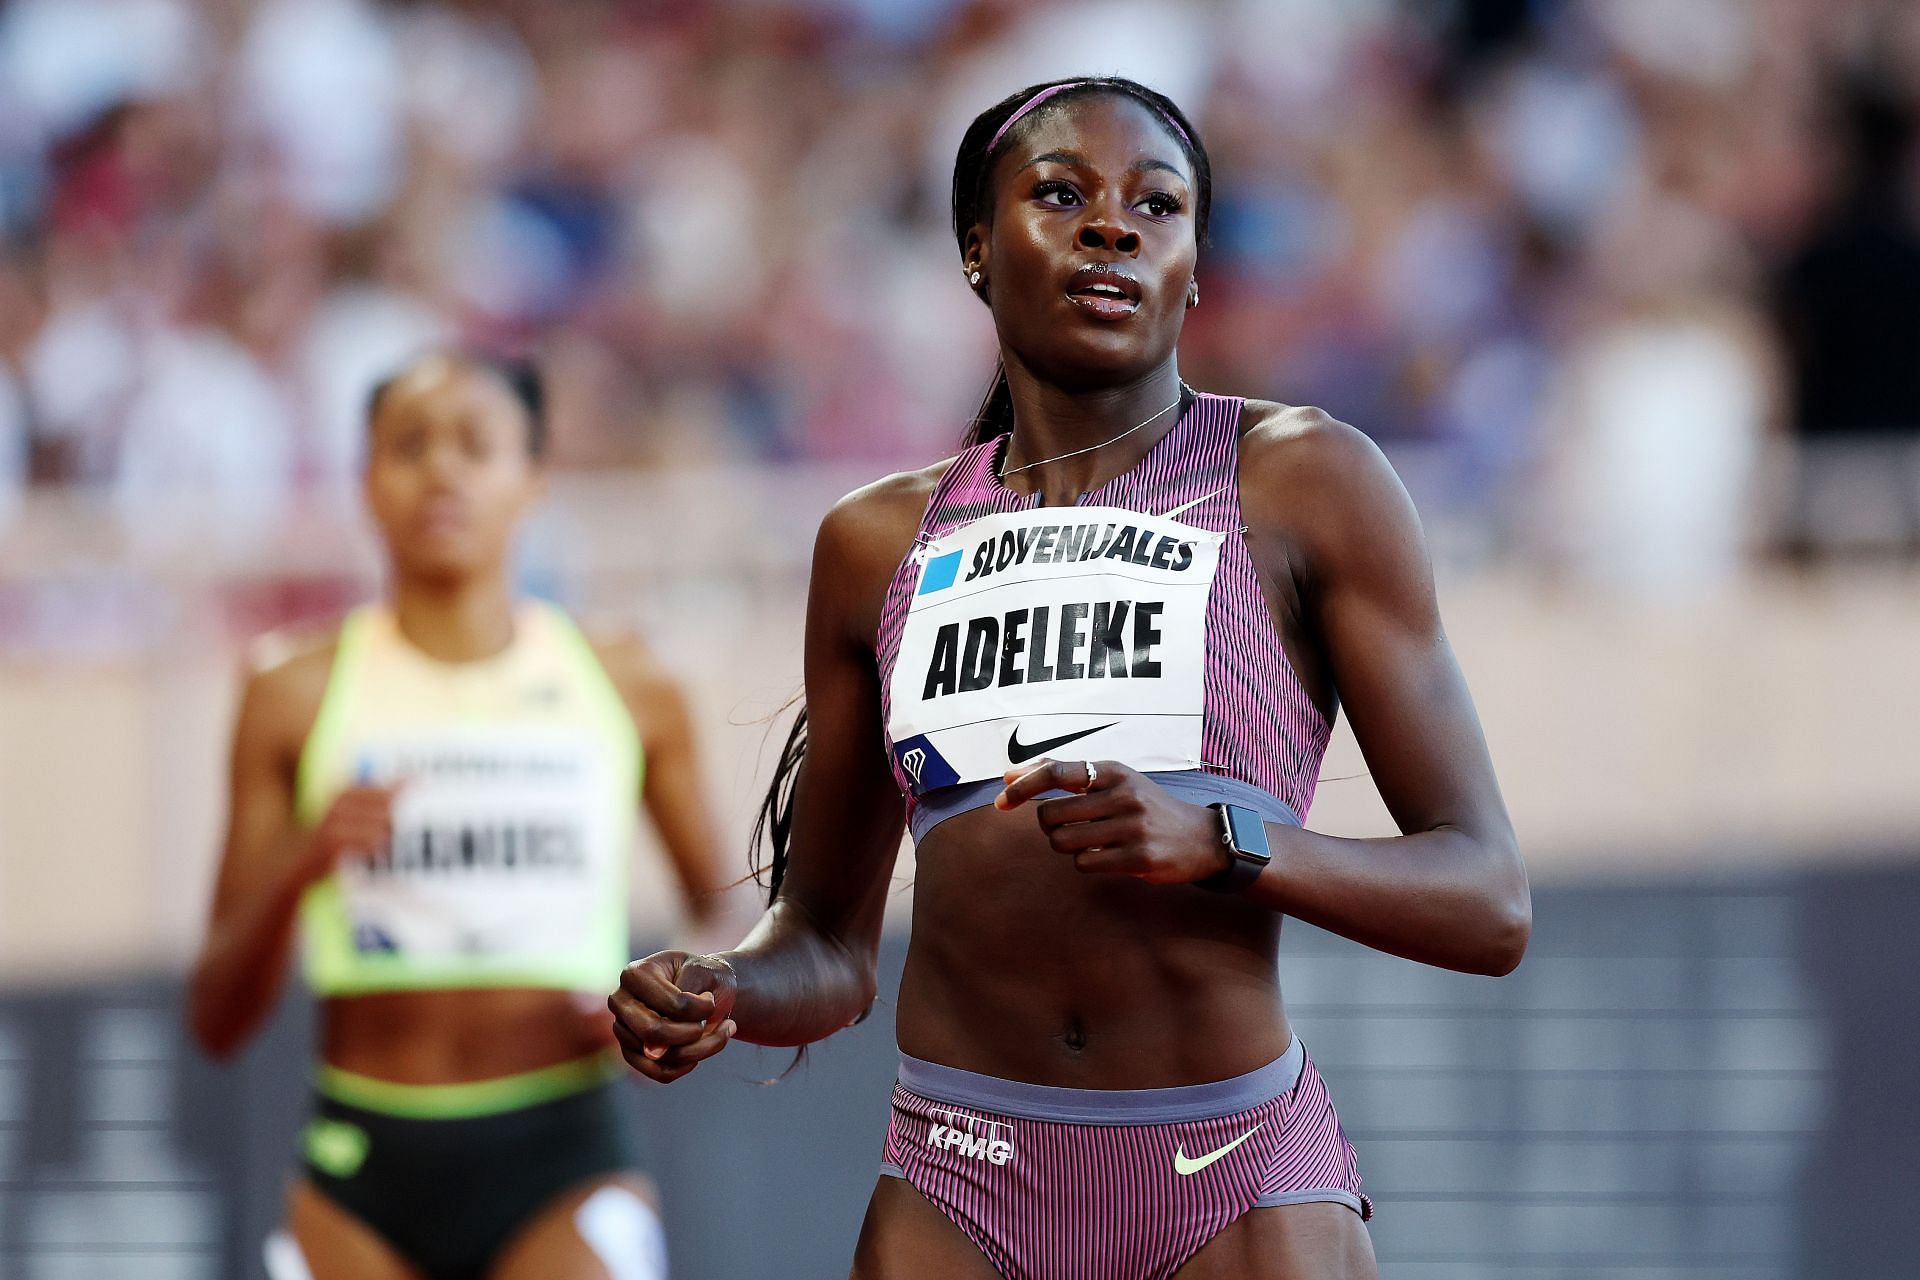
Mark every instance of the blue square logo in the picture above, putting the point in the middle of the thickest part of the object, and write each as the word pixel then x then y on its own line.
pixel 940 573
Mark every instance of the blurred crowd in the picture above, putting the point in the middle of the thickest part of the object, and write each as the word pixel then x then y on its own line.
pixel 1586 259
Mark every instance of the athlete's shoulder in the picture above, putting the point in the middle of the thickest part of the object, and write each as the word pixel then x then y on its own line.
pixel 1301 436
pixel 1323 488
pixel 286 680
pixel 293 659
pixel 630 662
pixel 890 497
pixel 652 694
pixel 881 517
pixel 862 542
pixel 1301 460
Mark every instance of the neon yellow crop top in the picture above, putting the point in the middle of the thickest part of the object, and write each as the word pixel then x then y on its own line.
pixel 513 829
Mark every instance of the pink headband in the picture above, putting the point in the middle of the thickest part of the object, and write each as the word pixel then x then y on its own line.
pixel 1049 92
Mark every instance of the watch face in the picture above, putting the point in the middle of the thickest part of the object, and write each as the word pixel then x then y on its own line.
pixel 1249 831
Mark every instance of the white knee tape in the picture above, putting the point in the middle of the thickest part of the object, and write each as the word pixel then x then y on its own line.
pixel 284 1259
pixel 624 1232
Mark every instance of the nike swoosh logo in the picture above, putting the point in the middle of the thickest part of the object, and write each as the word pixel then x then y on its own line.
pixel 1183 1165
pixel 1020 752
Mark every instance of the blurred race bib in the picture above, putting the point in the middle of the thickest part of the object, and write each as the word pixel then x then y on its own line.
pixel 495 851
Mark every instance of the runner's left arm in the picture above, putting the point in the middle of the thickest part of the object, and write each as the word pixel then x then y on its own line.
pixel 673 789
pixel 1451 889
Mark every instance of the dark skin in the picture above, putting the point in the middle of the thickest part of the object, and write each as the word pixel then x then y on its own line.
pixel 1061 941
pixel 449 480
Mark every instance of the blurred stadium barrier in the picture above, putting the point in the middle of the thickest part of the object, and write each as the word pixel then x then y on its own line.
pixel 1694 1081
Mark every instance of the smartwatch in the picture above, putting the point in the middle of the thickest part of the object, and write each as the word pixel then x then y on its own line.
pixel 1244 832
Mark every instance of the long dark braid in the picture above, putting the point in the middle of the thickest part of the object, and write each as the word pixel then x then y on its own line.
pixel 773 824
pixel 972 168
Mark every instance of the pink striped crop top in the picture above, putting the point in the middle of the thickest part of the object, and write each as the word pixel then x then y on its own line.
pixel 1128 627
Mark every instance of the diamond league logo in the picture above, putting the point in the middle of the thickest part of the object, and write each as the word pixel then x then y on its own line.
pixel 921 763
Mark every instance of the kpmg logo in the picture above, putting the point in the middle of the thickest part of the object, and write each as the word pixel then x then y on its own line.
pixel 971 1135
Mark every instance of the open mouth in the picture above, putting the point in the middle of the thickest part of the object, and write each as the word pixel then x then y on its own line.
pixel 1104 290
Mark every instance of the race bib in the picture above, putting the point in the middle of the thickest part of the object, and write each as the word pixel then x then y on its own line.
pixel 502 845
pixel 1070 632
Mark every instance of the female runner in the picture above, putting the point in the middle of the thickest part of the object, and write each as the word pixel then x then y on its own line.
pixel 441 795
pixel 1100 653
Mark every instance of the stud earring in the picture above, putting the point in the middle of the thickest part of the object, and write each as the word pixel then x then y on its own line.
pixel 973 278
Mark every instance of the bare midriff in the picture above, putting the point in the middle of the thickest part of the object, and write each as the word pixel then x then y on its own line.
pixel 451 1037
pixel 1024 968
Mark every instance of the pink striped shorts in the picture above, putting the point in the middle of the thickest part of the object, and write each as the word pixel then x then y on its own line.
pixel 1115 1184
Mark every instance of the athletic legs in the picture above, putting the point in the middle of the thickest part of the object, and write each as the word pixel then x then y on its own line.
pixel 322 1241
pixel 906 1238
pixel 1318 1241
pixel 608 1229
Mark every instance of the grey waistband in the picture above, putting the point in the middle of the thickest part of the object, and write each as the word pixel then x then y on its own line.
pixel 1104 1106
pixel 1194 785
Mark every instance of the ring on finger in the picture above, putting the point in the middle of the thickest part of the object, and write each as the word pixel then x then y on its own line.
pixel 1093 772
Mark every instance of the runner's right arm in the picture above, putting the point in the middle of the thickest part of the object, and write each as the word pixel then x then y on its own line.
pixel 268 864
pixel 808 968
